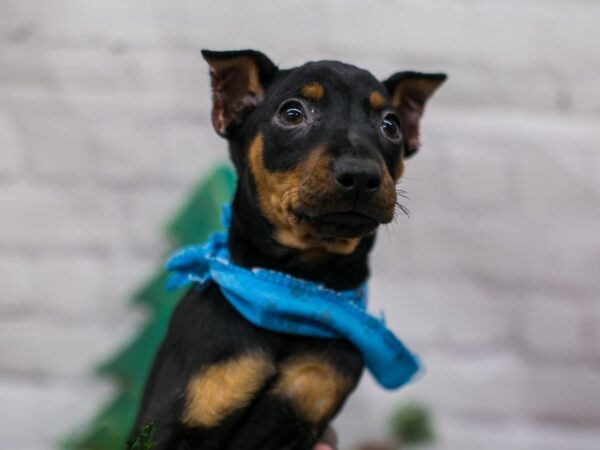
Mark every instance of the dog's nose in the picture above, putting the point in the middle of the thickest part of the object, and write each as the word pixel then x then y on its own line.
pixel 357 176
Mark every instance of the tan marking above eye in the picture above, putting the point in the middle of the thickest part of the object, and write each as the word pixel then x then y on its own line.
pixel 313 91
pixel 315 388
pixel 377 100
pixel 220 389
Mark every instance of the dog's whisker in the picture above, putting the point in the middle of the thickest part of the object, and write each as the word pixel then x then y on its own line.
pixel 402 193
pixel 402 208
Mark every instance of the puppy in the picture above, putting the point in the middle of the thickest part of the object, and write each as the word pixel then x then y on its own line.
pixel 318 150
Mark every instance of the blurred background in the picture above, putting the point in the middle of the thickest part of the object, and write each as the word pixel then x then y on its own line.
pixel 494 279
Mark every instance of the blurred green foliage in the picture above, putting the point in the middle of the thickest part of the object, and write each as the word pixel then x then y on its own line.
pixel 411 424
pixel 144 441
pixel 109 430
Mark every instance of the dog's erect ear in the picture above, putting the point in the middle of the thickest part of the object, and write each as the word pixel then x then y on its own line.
pixel 238 80
pixel 409 92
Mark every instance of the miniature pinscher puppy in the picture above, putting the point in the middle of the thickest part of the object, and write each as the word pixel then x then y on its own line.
pixel 318 151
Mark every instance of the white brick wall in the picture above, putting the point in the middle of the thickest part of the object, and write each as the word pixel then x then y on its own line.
pixel 104 127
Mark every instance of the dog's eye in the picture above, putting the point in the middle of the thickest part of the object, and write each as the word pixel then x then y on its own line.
pixel 292 112
pixel 391 127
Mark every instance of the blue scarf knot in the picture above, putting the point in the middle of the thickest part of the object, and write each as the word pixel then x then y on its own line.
pixel 281 303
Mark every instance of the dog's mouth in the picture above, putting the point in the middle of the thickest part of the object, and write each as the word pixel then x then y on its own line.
pixel 336 225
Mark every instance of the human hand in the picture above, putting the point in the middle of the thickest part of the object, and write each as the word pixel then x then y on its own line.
pixel 328 440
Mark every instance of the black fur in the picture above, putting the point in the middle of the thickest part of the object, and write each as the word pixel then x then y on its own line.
pixel 205 329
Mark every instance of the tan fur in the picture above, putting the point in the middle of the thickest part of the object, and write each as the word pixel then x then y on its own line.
pixel 222 388
pixel 376 100
pixel 399 169
pixel 313 386
pixel 313 91
pixel 278 193
pixel 386 195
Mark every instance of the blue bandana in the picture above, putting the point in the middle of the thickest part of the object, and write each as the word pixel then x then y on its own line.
pixel 284 304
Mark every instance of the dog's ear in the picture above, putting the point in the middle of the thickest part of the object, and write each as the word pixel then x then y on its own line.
pixel 410 91
pixel 239 79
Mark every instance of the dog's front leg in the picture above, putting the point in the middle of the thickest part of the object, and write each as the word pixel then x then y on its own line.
pixel 307 392
pixel 219 390
pixel 211 367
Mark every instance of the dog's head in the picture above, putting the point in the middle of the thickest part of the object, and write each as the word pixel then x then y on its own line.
pixel 320 146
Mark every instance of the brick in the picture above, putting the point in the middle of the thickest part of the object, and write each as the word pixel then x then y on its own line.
pixel 534 145
pixel 129 272
pixel 490 384
pixel 574 253
pixel 489 402
pixel 147 215
pixel 553 327
pixel 472 87
pixel 452 383
pixel 592 330
pixel 364 414
pixel 443 312
pixel 477 181
pixel 59 148
pixel 384 48
pixel 410 309
pixel 107 73
pixel 471 225
pixel 155 24
pixel 194 149
pixel 99 110
pixel 426 247
pixel 177 153
pixel 564 393
pixel 42 347
pixel 14 279
pixel 74 288
pixel 484 250
pixel 500 385
pixel 448 34
pixel 129 155
pixel 54 407
pixel 10 143
pixel 56 217
pixel 583 95
pixel 472 434
pixel 24 66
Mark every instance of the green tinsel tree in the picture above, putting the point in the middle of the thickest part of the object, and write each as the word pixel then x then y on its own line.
pixel 199 216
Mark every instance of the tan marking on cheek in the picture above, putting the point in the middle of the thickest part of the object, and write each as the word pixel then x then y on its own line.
pixel 376 100
pixel 313 91
pixel 278 192
pixel 313 386
pixel 225 387
pixel 386 196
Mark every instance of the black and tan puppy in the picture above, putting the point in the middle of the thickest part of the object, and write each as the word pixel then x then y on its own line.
pixel 318 150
